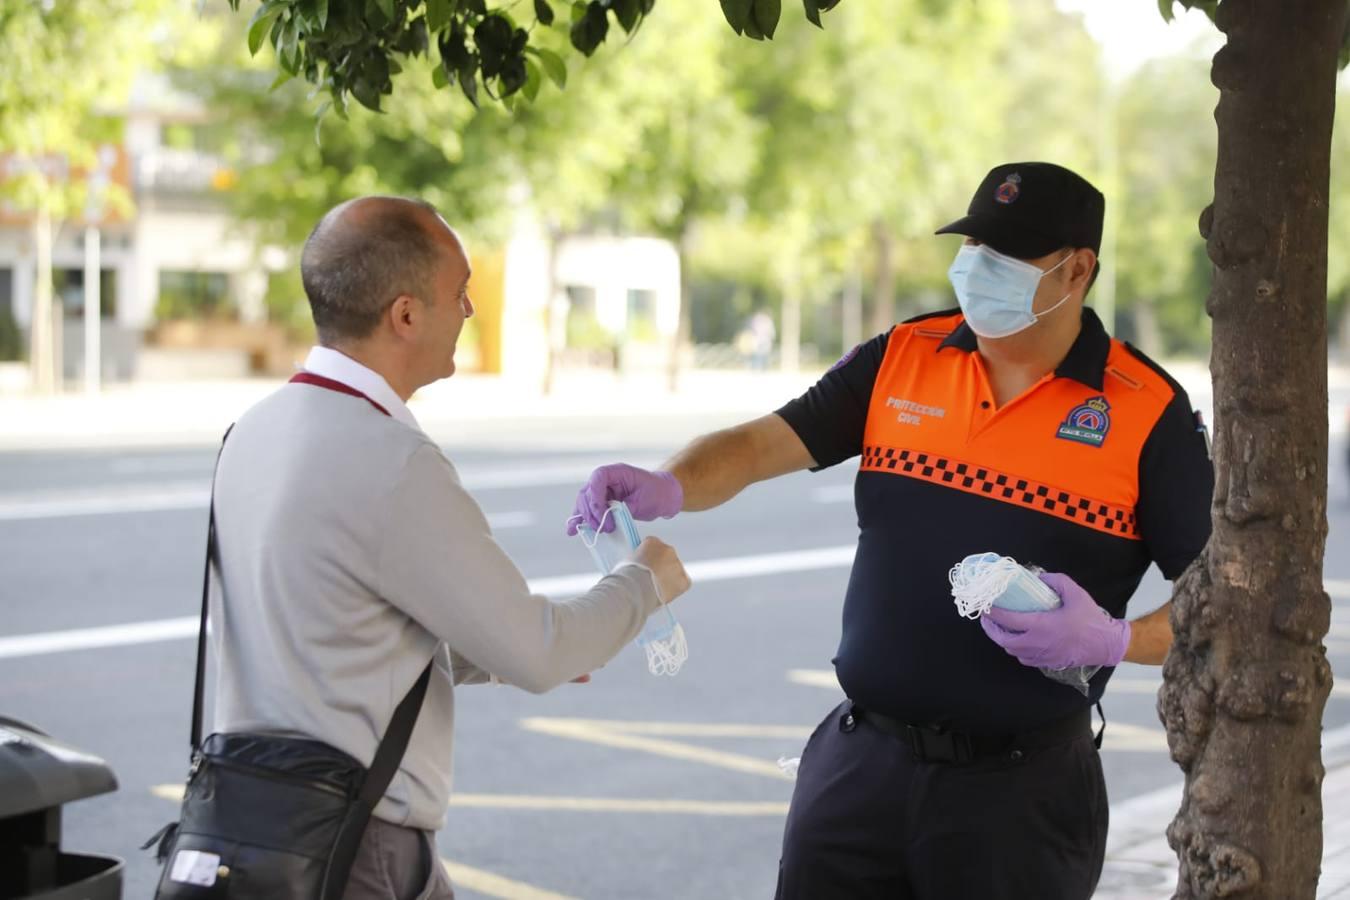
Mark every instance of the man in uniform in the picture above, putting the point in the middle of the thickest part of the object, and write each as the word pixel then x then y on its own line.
pixel 1014 424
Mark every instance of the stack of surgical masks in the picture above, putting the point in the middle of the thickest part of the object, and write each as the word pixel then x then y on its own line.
pixel 662 637
pixel 985 580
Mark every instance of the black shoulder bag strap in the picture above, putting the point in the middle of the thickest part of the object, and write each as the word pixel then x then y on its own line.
pixel 395 741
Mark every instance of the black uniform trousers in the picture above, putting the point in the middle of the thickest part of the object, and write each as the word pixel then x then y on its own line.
pixel 871 820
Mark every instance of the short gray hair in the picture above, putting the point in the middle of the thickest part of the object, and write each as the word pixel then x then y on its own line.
pixel 362 255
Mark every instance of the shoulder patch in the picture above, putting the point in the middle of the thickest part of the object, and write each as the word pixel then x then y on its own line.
pixel 1153 367
pixel 1131 383
pixel 846 358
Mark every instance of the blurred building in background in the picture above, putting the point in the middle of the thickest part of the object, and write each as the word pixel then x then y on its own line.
pixel 172 266
pixel 184 285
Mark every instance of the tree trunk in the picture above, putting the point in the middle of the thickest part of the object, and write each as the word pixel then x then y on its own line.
pixel 883 290
pixel 1146 330
pixel 790 329
pixel 555 331
pixel 683 331
pixel 852 309
pixel 1247 678
pixel 42 353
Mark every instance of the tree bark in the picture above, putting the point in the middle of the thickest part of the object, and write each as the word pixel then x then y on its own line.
pixel 1247 678
pixel 883 290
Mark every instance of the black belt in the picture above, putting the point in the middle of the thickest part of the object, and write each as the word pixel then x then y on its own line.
pixel 931 743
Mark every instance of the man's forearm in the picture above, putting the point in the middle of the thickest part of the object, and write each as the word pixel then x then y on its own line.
pixel 1151 637
pixel 713 468
pixel 716 467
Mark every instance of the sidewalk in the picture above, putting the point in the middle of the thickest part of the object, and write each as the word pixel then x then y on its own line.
pixel 1141 866
pixel 475 409
pixel 465 409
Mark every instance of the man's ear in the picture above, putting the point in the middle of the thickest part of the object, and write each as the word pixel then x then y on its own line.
pixel 1083 265
pixel 403 315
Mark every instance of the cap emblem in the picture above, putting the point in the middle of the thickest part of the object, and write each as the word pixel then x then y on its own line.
pixel 1007 191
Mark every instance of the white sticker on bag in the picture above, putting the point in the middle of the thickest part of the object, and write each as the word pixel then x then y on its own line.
pixel 194 867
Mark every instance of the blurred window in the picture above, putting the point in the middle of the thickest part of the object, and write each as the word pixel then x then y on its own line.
pixel 69 287
pixel 190 295
pixel 583 328
pixel 642 315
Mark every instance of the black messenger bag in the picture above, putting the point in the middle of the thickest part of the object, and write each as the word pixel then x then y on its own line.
pixel 267 817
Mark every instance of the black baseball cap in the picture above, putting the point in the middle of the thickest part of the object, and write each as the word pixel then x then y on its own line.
pixel 1030 209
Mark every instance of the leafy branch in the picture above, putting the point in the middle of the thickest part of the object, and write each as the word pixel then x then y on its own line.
pixel 352 48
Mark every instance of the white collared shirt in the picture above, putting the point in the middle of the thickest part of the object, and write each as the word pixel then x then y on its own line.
pixel 338 366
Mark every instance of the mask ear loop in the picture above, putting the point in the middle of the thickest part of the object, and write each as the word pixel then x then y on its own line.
pixel 1062 300
pixel 668 654
pixel 590 544
pixel 977 583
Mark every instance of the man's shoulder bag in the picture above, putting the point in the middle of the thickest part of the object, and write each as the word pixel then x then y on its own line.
pixel 267 817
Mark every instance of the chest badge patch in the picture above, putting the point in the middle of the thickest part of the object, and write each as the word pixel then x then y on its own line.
pixel 1088 423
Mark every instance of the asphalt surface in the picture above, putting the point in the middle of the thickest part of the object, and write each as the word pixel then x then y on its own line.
pixel 630 787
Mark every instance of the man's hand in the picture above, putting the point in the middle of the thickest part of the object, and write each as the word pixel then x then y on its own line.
pixel 1078 633
pixel 659 558
pixel 649 495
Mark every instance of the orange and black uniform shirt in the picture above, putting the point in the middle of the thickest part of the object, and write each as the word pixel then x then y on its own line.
pixel 1098 470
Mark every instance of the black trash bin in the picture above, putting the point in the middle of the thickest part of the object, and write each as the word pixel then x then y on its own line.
pixel 37 775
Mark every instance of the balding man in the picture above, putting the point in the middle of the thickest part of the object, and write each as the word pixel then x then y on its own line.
pixel 350 555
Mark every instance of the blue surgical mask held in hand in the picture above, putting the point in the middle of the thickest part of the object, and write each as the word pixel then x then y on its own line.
pixel 983 580
pixel 997 292
pixel 662 637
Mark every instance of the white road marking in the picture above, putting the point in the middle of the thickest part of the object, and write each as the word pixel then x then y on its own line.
pixel 163 499
pixel 555 586
pixel 195 494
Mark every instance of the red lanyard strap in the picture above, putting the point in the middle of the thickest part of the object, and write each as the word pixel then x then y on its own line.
pixel 331 385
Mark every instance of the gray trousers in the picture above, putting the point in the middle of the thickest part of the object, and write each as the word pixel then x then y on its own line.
pixel 397 863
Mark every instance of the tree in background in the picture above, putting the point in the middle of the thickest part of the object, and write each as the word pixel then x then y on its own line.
pixel 1167 151
pixel 696 142
pixel 865 145
pixel 1338 250
pixel 68 61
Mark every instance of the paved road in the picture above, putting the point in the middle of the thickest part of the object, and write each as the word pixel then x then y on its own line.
pixel 630 787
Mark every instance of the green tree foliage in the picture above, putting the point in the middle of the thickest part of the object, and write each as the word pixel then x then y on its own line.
pixel 1338 250
pixel 65 61
pixel 45 113
pixel 778 165
pixel 1167 150
pixel 355 48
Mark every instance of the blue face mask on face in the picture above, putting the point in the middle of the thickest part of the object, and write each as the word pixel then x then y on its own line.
pixel 997 292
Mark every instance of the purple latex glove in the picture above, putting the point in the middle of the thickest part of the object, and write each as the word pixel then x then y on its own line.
pixel 649 495
pixel 1078 633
